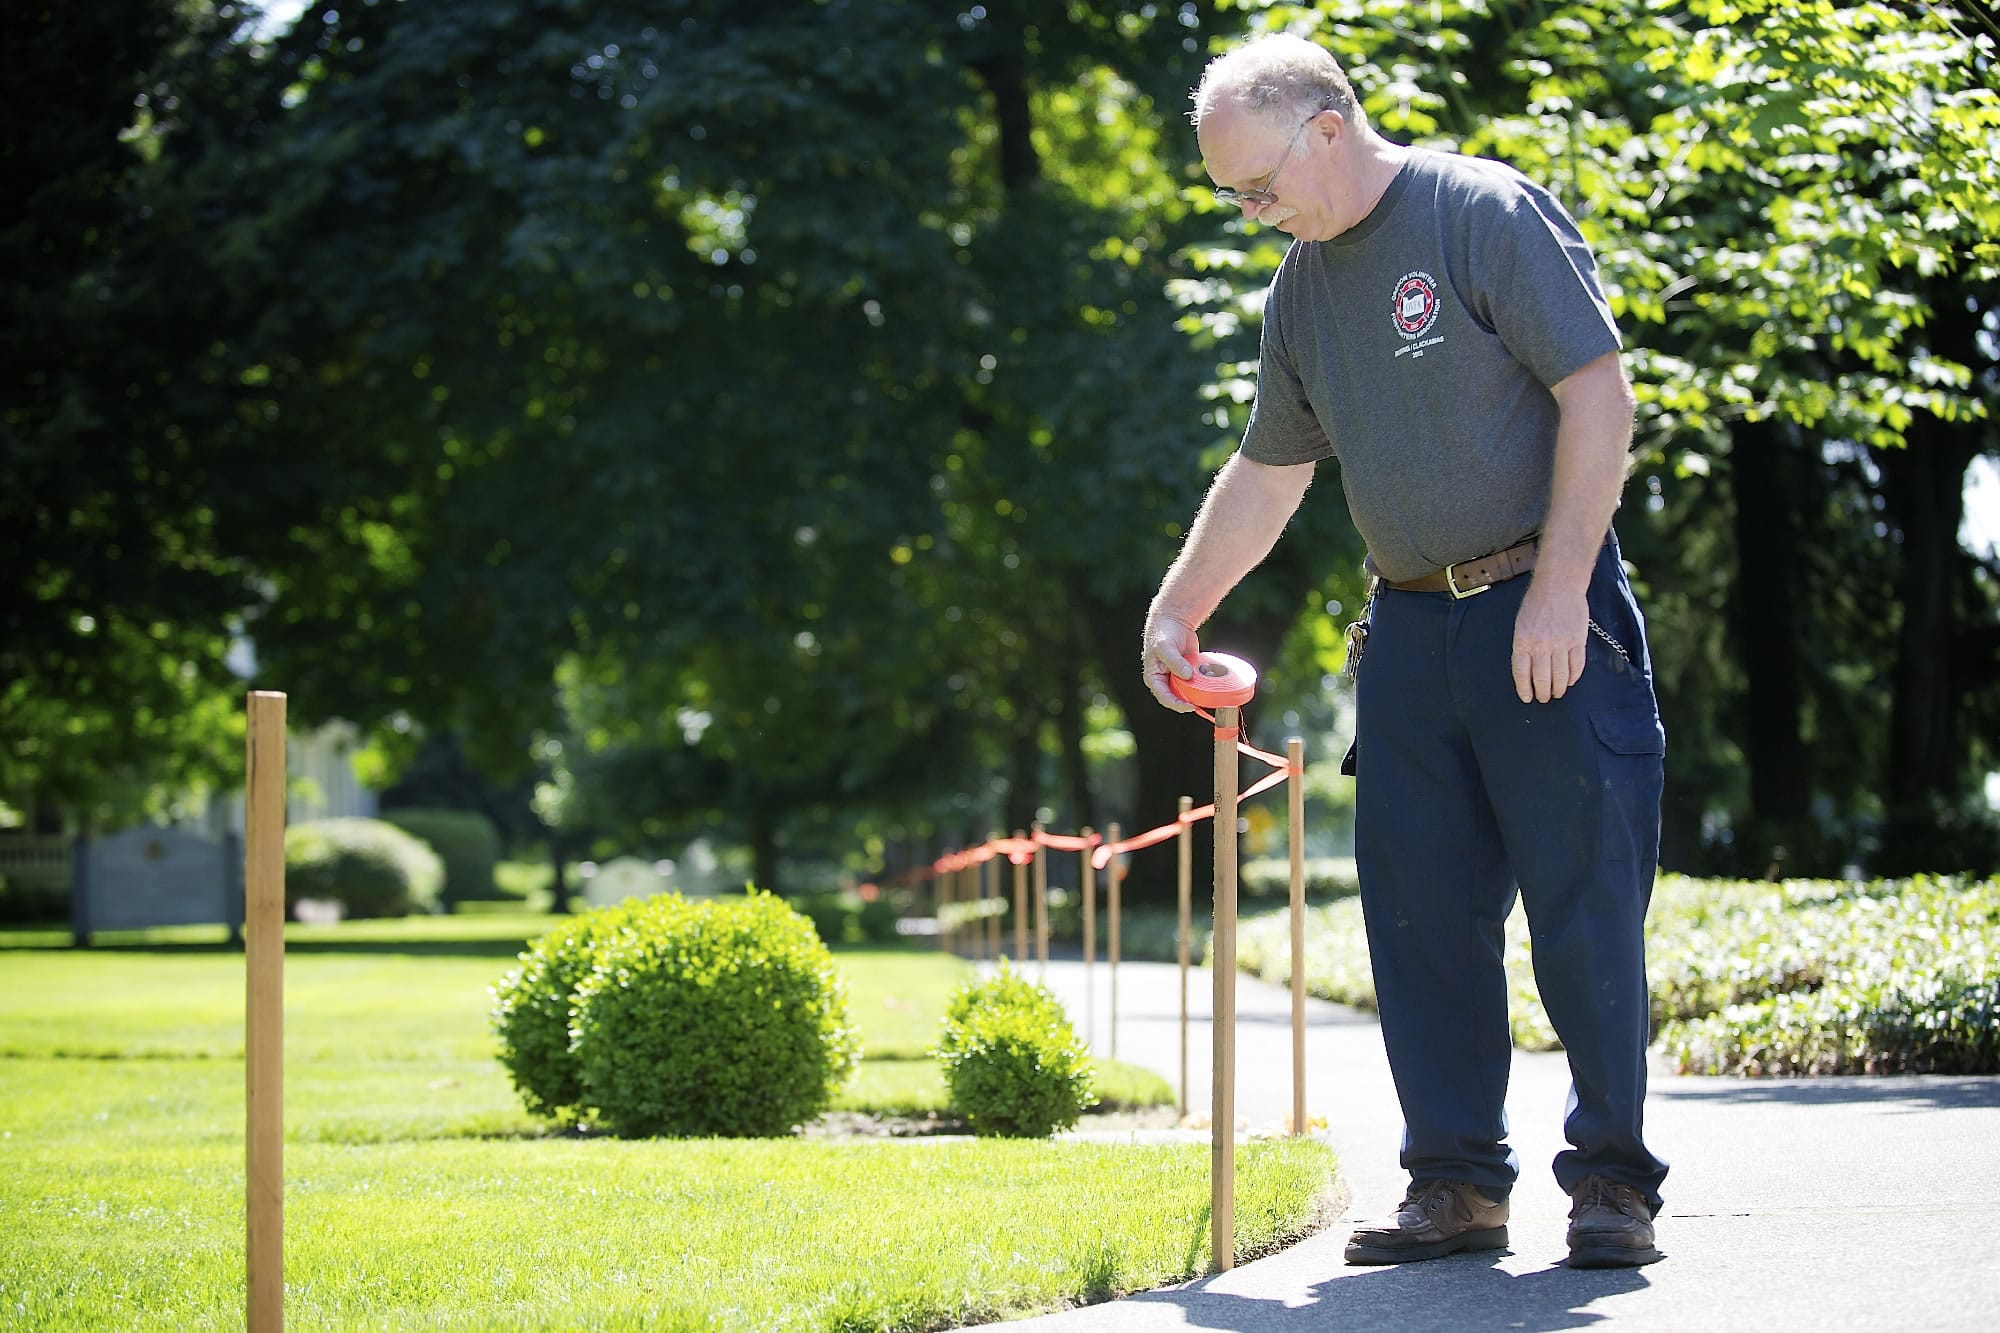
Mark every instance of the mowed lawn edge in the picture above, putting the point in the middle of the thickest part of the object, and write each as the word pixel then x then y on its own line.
pixel 725 1234
pixel 419 1194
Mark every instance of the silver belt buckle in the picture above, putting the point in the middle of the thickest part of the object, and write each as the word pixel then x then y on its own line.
pixel 1460 594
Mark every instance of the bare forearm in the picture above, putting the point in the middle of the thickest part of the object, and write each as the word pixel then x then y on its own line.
pixel 1240 521
pixel 1592 461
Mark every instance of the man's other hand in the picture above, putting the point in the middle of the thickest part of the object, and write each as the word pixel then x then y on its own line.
pixel 1550 632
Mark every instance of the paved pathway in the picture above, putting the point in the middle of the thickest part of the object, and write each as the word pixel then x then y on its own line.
pixel 1822 1204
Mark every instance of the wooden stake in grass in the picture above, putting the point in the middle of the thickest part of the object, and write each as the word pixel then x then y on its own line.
pixel 1222 1167
pixel 1088 879
pixel 989 891
pixel 1041 905
pixel 965 932
pixel 1227 683
pixel 1186 849
pixel 1295 766
pixel 264 1009
pixel 1020 906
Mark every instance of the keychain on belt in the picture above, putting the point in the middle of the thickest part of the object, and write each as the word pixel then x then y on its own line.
pixel 1357 633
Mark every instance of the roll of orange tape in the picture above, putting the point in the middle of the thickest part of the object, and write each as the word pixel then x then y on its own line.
pixel 1219 681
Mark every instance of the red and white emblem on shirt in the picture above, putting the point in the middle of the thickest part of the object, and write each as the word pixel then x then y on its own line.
pixel 1415 305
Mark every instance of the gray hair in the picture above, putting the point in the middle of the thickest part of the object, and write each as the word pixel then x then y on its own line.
pixel 1279 78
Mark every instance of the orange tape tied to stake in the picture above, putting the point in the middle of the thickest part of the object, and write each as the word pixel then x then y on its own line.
pixel 1220 681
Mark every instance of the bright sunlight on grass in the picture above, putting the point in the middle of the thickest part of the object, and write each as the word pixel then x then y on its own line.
pixel 420 1194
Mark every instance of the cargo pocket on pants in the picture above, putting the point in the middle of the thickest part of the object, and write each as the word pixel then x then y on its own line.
pixel 1631 770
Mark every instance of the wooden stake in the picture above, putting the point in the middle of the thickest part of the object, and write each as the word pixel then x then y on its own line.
pixel 1186 848
pixel 1088 879
pixel 264 1009
pixel 1113 873
pixel 938 887
pixel 1222 1167
pixel 968 889
pixel 989 889
pixel 1295 763
pixel 1041 905
pixel 1020 907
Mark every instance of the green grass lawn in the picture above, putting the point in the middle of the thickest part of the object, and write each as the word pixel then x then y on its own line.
pixel 420 1194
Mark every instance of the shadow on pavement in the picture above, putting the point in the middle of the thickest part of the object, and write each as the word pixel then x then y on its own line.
pixel 1462 1292
pixel 1918 1092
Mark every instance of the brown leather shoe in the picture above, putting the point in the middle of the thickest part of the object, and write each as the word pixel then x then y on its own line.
pixel 1438 1217
pixel 1610 1226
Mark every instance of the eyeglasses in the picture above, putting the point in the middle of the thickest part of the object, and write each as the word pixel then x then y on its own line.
pixel 1261 195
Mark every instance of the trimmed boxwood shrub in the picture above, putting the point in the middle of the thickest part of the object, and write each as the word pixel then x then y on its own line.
pixel 719 1017
pixel 464 840
pixel 846 918
pixel 836 919
pixel 1800 977
pixel 1327 878
pixel 1012 1062
pixel 534 1005
pixel 371 868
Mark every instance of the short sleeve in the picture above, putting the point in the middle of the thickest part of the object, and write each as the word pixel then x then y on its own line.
pixel 1283 429
pixel 1541 284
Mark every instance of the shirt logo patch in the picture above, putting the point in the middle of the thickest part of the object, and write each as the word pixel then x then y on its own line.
pixel 1415 304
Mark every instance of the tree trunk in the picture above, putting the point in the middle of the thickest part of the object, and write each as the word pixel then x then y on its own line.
pixel 764 850
pixel 559 861
pixel 1767 582
pixel 1070 722
pixel 1024 765
pixel 1924 485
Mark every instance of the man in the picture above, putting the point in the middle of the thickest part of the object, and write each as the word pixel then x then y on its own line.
pixel 1437 327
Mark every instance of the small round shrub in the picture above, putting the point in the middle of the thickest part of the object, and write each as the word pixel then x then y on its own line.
pixel 1012 1062
pixel 369 867
pixel 878 918
pixel 835 917
pixel 464 840
pixel 719 1017
pixel 534 1005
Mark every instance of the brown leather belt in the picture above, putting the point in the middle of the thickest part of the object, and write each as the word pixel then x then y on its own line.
pixel 1475 576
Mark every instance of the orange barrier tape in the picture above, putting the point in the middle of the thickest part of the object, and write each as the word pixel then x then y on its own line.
pixel 1153 837
pixel 1275 761
pixel 1102 856
pixel 1227 682
pixel 1219 679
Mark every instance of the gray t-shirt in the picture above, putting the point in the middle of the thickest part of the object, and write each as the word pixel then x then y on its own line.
pixel 1418 347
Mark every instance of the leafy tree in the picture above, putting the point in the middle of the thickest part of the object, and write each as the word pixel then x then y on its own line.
pixel 112 516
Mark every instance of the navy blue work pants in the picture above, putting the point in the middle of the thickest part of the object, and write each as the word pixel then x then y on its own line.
pixel 1464 794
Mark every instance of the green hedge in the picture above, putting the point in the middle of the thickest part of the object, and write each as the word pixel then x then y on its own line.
pixel 371 868
pixel 684 1018
pixel 1805 977
pixel 847 918
pixel 465 841
pixel 534 1005
pixel 36 904
pixel 1813 977
pixel 1327 878
pixel 1012 1062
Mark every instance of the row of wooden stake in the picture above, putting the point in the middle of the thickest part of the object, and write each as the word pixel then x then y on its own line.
pixel 971 880
pixel 969 904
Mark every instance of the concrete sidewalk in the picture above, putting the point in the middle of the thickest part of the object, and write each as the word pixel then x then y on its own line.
pixel 1835 1203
